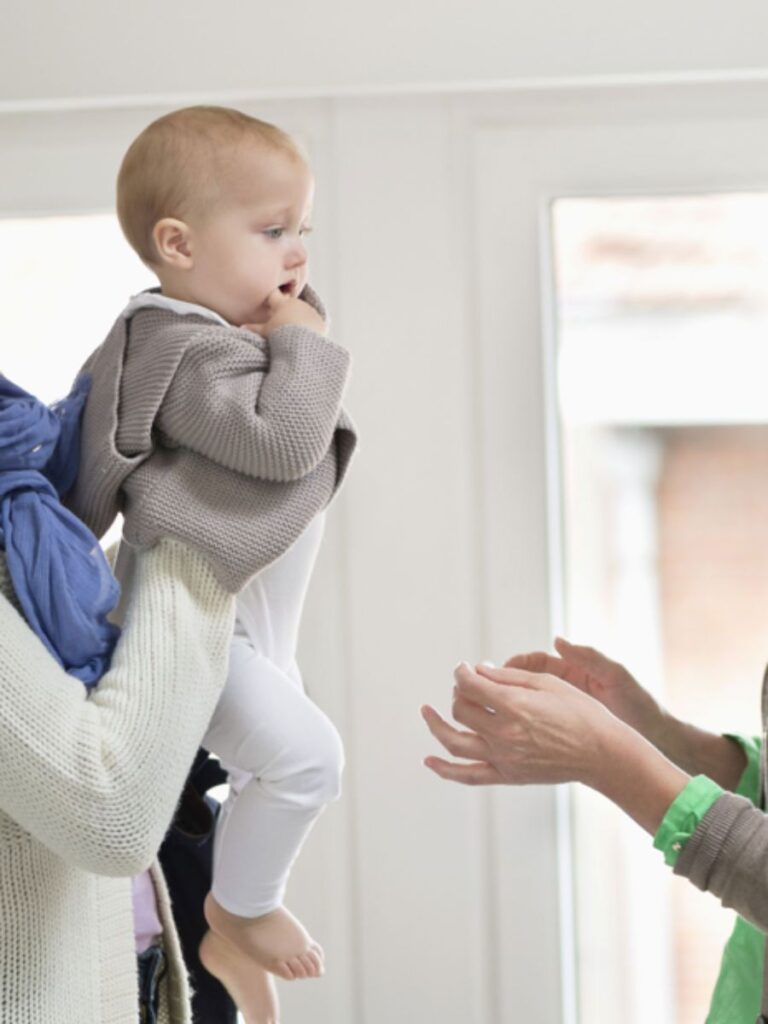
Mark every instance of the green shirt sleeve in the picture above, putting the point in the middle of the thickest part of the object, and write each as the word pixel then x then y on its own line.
pixel 749 783
pixel 684 814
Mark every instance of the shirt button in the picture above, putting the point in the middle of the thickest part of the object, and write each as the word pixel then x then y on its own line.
pixel 677 847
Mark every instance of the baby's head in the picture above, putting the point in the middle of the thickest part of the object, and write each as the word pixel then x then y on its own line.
pixel 217 204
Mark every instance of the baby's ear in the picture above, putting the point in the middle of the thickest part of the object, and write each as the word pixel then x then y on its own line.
pixel 172 243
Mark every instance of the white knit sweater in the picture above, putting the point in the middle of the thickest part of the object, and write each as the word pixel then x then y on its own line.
pixel 88 786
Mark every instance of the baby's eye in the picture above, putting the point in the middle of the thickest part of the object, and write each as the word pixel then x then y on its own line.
pixel 274 232
pixel 306 230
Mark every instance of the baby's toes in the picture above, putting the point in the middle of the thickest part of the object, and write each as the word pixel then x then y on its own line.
pixel 311 966
pixel 318 964
pixel 296 963
pixel 284 970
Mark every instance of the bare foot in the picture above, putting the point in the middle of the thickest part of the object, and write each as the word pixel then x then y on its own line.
pixel 251 987
pixel 277 940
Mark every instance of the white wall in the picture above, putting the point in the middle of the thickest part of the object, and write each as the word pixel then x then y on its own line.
pixel 85 49
pixel 425 895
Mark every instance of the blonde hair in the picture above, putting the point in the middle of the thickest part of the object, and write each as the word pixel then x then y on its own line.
pixel 176 165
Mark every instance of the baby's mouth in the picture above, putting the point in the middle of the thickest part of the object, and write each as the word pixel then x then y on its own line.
pixel 288 288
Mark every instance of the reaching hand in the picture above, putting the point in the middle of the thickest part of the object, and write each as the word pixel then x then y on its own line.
pixel 536 727
pixel 525 727
pixel 605 680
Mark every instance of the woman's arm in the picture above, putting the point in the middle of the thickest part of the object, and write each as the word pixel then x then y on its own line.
pixel 526 727
pixel 531 728
pixel 700 752
pixel 695 750
pixel 96 778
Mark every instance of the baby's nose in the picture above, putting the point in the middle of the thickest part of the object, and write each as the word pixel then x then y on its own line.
pixel 297 254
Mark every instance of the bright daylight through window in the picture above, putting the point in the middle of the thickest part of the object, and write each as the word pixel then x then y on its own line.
pixel 663 321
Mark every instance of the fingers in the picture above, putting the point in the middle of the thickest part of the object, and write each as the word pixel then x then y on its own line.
pixel 477 774
pixel 536 661
pixel 476 717
pixel 513 677
pixel 271 304
pixel 471 687
pixel 579 653
pixel 578 666
pixel 565 646
pixel 456 742
pixel 590 660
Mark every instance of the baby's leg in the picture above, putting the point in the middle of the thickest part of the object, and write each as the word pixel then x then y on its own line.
pixel 293 758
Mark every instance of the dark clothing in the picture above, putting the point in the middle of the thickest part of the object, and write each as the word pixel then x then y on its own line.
pixel 186 857
pixel 151 964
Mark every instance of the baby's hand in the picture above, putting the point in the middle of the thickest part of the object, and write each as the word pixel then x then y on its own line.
pixel 285 309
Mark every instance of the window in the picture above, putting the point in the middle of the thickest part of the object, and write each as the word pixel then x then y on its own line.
pixel 65 279
pixel 662 360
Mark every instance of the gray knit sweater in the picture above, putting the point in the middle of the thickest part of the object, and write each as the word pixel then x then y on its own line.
pixel 728 856
pixel 211 435
pixel 728 852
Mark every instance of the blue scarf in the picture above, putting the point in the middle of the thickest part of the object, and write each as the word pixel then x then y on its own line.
pixel 62 579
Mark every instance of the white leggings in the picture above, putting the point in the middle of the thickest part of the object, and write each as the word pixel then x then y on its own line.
pixel 288 760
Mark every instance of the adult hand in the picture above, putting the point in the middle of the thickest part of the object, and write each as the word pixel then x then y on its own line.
pixel 528 727
pixel 285 310
pixel 524 727
pixel 605 680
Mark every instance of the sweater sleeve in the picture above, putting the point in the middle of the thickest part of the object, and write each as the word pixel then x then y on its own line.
pixel 265 412
pixel 95 778
pixel 727 855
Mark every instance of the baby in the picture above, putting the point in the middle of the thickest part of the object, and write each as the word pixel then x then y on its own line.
pixel 214 417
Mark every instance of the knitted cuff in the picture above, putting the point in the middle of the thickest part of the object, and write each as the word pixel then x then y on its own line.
pixel 722 834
